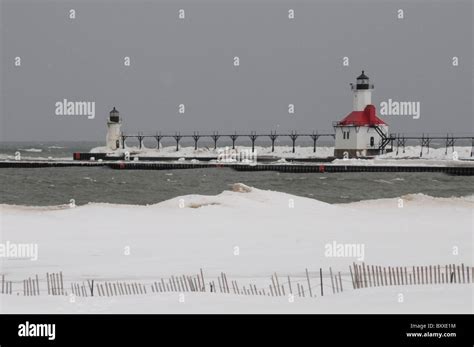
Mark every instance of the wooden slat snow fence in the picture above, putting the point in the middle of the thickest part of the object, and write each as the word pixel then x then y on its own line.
pixel 364 276
pixel 306 284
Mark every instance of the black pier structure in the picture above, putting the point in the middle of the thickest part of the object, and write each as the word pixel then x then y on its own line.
pixel 425 140
pixel 215 136
pixel 387 144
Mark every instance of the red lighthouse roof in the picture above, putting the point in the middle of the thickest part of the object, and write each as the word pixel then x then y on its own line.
pixel 360 118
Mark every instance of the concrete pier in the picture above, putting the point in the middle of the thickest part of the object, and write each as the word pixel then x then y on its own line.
pixel 465 168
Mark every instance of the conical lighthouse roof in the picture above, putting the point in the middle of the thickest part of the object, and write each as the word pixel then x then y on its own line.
pixel 363 76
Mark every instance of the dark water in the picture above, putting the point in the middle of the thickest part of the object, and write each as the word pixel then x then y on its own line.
pixel 54 186
pixel 37 150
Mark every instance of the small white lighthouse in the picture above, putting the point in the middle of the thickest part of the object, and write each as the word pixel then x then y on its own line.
pixel 361 133
pixel 113 130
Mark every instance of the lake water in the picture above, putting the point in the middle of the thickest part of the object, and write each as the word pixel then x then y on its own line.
pixel 56 186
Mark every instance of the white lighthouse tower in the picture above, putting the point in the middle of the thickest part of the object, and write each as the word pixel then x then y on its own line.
pixel 113 130
pixel 362 92
pixel 361 133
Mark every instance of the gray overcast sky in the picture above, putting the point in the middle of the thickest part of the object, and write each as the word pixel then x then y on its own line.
pixel 191 62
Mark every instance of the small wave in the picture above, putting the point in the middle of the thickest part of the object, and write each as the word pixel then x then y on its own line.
pixel 383 181
pixel 417 199
pixel 55 147
pixel 35 150
pixel 24 157
pixel 7 207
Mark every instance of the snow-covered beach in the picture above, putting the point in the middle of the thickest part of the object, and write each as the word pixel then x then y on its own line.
pixel 427 299
pixel 250 234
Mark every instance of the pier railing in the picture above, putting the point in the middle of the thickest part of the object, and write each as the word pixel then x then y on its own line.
pixel 215 136
pixel 388 141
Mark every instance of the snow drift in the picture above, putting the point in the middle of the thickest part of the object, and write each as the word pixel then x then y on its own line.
pixel 273 232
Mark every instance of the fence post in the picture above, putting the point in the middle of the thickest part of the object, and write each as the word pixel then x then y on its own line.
pixel 356 276
pixel 321 277
pixel 375 272
pixel 202 280
pixel 332 280
pixel 352 277
pixel 61 282
pixel 309 283
pixel 365 275
pixel 278 284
